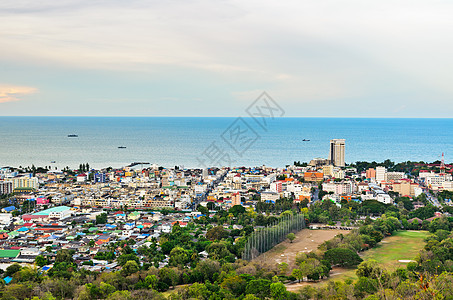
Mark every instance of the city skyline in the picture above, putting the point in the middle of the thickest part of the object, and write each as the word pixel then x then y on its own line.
pixel 324 59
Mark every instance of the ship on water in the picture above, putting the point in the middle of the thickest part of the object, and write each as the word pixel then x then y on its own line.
pixel 73 135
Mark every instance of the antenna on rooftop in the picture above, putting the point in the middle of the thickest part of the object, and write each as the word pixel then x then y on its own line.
pixel 442 166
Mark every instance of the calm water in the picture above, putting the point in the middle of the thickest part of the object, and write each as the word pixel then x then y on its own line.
pixel 180 141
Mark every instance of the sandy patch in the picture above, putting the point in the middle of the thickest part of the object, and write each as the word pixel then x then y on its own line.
pixel 306 241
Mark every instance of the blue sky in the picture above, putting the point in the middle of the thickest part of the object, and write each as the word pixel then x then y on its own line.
pixel 350 58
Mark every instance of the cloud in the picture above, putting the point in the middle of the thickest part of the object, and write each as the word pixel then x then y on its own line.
pixel 9 93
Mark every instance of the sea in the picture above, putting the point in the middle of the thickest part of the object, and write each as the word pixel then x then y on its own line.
pixel 204 142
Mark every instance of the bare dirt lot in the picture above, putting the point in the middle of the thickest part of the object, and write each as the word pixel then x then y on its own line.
pixel 306 240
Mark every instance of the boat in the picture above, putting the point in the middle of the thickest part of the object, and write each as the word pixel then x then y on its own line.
pixel 121 147
pixel 305 140
pixel 73 135
pixel 52 162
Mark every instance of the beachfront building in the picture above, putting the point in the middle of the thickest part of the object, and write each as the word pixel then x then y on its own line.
pixel 337 152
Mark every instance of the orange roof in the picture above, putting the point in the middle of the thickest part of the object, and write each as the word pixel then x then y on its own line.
pixel 314 174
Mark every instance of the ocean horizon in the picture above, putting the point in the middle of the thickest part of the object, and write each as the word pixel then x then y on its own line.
pixel 193 141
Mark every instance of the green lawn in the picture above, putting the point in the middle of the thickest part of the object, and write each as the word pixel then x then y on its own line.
pixel 403 245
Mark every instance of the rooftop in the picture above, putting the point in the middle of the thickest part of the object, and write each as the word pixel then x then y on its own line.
pixel 50 210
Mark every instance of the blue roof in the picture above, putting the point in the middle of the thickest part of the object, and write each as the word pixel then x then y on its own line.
pixel 45 268
pixel 23 229
pixel 9 208
pixel 8 279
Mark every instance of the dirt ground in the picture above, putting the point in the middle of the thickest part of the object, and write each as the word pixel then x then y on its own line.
pixel 306 240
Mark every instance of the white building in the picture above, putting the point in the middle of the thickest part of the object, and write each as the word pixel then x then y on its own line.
pixel 269 196
pixel 5 218
pixel 380 174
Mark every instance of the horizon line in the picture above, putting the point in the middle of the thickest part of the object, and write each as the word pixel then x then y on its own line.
pixel 284 117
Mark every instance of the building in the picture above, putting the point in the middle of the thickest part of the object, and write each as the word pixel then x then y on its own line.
pixel 337 152
pixel 276 187
pixel 81 178
pixel 6 187
pixel 381 174
pixel 395 176
pixel 313 176
pixel 405 187
pixel 99 177
pixel 269 196
pixel 58 212
pixel 318 162
pixel 236 199
pixel 5 218
pixel 371 173
pixel 25 182
pixel 327 170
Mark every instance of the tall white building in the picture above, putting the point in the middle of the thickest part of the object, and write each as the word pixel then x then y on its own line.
pixel 337 147
pixel 381 174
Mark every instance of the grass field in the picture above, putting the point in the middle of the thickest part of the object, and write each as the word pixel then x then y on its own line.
pixel 403 245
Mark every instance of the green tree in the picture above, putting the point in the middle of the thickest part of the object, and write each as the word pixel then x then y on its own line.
pixel 278 291
pixel 203 210
pixel 101 218
pixel 216 233
pixel 342 257
pixel 179 256
pixel 298 274
pixel 11 270
pixel 64 255
pixel 259 288
pixel 129 268
pixel 41 261
pixel 291 236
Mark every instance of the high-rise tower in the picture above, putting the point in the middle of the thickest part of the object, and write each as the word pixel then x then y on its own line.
pixel 336 156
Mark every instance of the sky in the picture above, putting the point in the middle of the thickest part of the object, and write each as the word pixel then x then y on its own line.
pixel 323 58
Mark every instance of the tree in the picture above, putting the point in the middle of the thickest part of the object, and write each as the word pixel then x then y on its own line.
pixel 120 295
pixel 208 268
pixel 278 291
pixel 169 276
pixel 236 284
pixel 179 256
pixel 216 233
pixel 237 210
pixel 291 236
pixel 370 269
pixel 124 258
pixel 11 270
pixel 17 291
pixel 210 205
pixel 129 268
pixel 203 210
pixel 101 219
pixel 64 255
pixel 342 257
pixel 298 274
pixel 259 287
pixel 41 261
pixel 198 291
